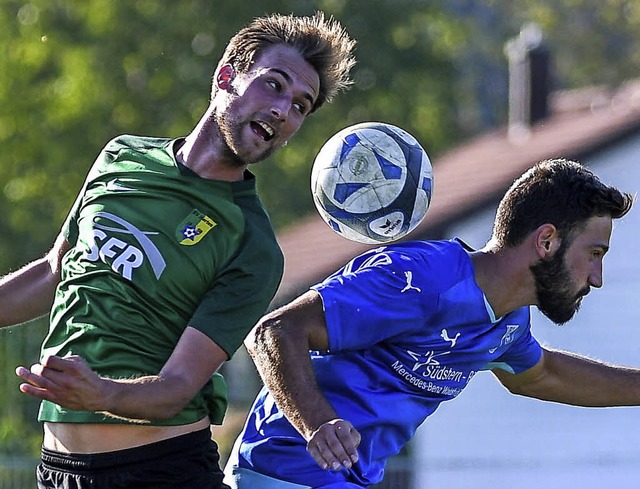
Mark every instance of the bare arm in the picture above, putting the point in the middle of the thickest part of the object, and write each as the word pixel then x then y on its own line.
pixel 573 379
pixel 279 346
pixel 72 384
pixel 28 293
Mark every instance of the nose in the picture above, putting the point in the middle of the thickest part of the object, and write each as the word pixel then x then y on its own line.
pixel 279 109
pixel 595 278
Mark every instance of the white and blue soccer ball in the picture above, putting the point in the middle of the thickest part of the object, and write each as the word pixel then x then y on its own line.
pixel 372 182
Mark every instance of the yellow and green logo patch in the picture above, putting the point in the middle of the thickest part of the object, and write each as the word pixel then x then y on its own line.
pixel 194 227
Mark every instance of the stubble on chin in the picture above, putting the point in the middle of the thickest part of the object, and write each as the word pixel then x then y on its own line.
pixel 230 132
pixel 553 289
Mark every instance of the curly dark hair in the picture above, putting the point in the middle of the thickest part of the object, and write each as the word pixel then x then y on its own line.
pixel 559 192
pixel 323 43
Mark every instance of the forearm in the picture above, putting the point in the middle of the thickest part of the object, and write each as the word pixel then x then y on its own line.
pixel 27 293
pixel 146 398
pixel 280 345
pixel 285 367
pixel 580 381
pixel 71 383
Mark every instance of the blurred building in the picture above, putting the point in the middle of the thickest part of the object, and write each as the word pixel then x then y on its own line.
pixel 489 438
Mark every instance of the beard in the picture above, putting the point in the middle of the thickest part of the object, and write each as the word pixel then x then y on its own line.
pixel 554 290
pixel 230 131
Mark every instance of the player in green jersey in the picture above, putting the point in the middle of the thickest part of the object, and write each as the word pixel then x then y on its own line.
pixel 164 263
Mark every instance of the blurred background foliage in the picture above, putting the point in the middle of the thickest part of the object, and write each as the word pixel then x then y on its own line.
pixel 74 74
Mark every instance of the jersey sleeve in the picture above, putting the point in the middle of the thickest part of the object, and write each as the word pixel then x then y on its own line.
pixel 523 354
pixel 364 304
pixel 241 294
pixel 70 226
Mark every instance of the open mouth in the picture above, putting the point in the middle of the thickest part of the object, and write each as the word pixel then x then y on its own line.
pixel 265 131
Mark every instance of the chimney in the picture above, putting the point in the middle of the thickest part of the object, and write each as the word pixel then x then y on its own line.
pixel 528 80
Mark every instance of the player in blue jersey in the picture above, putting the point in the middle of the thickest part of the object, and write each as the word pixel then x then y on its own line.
pixel 404 327
pixel 165 262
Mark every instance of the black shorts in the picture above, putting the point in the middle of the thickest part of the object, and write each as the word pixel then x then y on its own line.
pixel 184 462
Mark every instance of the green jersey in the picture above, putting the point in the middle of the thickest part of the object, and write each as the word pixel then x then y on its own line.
pixel 155 249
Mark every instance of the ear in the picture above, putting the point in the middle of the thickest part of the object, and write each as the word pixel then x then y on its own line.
pixel 547 240
pixel 225 76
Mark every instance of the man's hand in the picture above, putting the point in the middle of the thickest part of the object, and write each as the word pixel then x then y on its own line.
pixel 333 445
pixel 67 381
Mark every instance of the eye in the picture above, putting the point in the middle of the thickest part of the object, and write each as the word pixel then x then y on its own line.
pixel 275 84
pixel 302 108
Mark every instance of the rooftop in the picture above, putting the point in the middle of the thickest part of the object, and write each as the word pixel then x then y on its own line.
pixel 580 122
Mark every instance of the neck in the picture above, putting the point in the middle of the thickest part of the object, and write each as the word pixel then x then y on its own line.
pixel 504 277
pixel 205 153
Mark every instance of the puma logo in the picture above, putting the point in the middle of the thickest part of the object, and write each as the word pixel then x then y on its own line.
pixel 445 336
pixel 409 277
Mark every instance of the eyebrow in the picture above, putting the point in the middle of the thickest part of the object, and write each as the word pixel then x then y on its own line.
pixel 287 77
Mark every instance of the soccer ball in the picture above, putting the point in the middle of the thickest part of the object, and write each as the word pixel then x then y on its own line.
pixel 372 182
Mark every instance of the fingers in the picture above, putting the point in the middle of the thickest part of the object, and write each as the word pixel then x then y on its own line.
pixel 36 383
pixel 333 445
pixel 44 374
pixel 65 381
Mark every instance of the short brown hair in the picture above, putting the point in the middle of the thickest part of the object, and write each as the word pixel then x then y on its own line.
pixel 323 43
pixel 559 192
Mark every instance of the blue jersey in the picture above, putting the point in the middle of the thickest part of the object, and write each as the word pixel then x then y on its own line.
pixel 408 329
